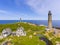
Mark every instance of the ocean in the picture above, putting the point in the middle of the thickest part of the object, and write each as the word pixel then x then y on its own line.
pixel 55 23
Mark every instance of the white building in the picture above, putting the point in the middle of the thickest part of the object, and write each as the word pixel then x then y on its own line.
pixel 47 29
pixel 6 32
pixel 20 32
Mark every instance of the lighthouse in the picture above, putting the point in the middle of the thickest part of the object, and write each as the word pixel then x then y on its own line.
pixel 49 20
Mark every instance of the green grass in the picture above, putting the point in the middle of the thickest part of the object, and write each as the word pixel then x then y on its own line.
pixel 25 40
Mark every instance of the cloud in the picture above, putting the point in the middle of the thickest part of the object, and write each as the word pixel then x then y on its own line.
pixel 3 11
pixel 43 6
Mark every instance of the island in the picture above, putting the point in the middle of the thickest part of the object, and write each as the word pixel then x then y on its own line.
pixel 24 33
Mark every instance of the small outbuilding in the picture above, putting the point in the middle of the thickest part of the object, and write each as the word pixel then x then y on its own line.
pixel 20 32
pixel 6 32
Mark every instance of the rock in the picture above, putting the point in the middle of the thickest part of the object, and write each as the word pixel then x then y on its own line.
pixel 30 36
pixel 1 37
pixel 47 29
pixel 34 33
pixel 57 43
pixel 6 43
pixel 41 25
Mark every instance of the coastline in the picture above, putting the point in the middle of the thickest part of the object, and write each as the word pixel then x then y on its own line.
pixel 37 22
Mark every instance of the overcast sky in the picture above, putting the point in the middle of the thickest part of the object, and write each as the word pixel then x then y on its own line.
pixel 29 9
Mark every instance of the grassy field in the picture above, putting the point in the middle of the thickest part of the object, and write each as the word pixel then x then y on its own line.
pixel 30 38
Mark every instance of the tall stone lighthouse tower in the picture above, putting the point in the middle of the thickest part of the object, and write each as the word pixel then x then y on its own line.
pixel 49 20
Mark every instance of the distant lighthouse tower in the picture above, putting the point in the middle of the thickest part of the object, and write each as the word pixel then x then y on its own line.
pixel 49 20
pixel 20 20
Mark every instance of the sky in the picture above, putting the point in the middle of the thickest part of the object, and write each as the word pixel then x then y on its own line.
pixel 29 9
